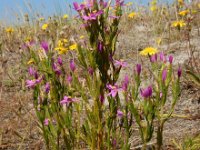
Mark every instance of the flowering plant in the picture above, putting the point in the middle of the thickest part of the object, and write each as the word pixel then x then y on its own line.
pixel 85 103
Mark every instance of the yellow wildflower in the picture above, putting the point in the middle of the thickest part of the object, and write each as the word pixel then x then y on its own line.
pixel 28 39
pixel 61 50
pixel 153 8
pixel 180 2
pixel 132 15
pixel 60 43
pixel 41 19
pixel 81 37
pixel 31 61
pixel 129 3
pixel 148 51
pixel 178 24
pixel 199 5
pixel 73 47
pixel 9 30
pixel 65 16
pixel 194 11
pixel 184 12
pixel 65 41
pixel 154 2
pixel 45 26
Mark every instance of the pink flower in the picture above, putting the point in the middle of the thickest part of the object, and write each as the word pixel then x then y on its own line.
pixel 119 2
pixel 77 7
pixel 164 75
pixel 119 113
pixel 45 46
pixel 138 69
pixel 30 83
pixel 56 69
pixel 146 93
pixel 114 17
pixel 59 60
pixel 161 94
pixel 67 100
pixel 125 83
pixel 69 79
pixel 46 122
pixel 47 87
pixel 120 63
pixel 154 58
pixel 100 46
pixel 170 59
pixel 31 71
pixel 113 90
pixel 179 72
pixel 33 83
pixel 72 65
pixel 162 56
pixel 92 16
pixel 102 98
pixel 91 71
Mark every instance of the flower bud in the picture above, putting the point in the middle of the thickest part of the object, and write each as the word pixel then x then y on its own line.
pixel 119 113
pixel 170 59
pixel 72 65
pixel 100 46
pixel 146 93
pixel 138 69
pixel 164 74
pixel 60 61
pixel 154 58
pixel 47 87
pixel 179 72
pixel 45 46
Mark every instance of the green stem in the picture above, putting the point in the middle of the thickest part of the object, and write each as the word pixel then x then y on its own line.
pixel 160 135
pixel 144 147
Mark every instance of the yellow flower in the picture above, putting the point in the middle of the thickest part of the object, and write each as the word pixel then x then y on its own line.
pixel 65 16
pixel 31 61
pixel 41 19
pixel 178 24
pixel 153 8
pixel 65 41
pixel 61 50
pixel 45 26
pixel 184 12
pixel 199 5
pixel 129 3
pixel 148 51
pixel 28 39
pixel 62 42
pixel 154 2
pixel 9 30
pixel 180 2
pixel 132 15
pixel 73 47
pixel 81 37
pixel 194 11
